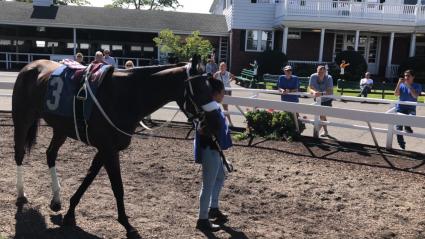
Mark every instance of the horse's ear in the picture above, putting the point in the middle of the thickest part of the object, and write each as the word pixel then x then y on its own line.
pixel 194 64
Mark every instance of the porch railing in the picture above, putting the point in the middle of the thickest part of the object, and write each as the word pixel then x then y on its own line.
pixel 351 10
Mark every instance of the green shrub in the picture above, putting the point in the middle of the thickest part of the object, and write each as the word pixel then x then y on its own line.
pixel 357 67
pixel 276 125
pixel 271 62
pixel 417 65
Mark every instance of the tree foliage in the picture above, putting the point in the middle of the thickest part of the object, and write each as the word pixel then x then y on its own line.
pixel 417 65
pixel 271 62
pixel 63 2
pixel 146 4
pixel 168 42
pixel 357 67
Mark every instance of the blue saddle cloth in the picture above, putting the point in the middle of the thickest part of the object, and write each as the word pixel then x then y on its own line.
pixel 65 83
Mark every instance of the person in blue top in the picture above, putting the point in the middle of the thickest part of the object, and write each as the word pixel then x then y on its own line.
pixel 288 83
pixel 213 175
pixel 407 90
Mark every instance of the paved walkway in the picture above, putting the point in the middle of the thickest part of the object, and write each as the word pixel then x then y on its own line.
pixel 342 134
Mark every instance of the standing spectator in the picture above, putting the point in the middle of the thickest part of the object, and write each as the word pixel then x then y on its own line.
pixel 321 85
pixel 254 69
pixel 213 172
pixel 108 58
pixel 129 65
pixel 98 57
pixel 407 90
pixel 79 58
pixel 365 85
pixel 288 83
pixel 211 67
pixel 226 77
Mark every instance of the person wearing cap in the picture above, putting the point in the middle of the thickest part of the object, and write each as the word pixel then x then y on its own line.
pixel 320 85
pixel 288 83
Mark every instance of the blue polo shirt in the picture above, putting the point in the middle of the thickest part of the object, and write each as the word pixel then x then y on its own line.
pixel 289 84
pixel 406 96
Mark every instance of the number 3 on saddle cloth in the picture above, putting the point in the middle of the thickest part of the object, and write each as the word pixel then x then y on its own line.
pixel 67 95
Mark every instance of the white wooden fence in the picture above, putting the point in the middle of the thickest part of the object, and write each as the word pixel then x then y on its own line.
pixel 389 118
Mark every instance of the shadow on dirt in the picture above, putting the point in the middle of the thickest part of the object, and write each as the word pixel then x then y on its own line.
pixel 31 224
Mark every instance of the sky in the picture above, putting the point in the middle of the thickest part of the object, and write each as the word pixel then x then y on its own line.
pixel 198 6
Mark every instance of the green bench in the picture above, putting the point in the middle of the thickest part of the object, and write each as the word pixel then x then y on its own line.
pixel 272 80
pixel 247 79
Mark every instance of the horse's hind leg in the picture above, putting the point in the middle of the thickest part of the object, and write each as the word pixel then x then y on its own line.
pixel 19 136
pixel 96 165
pixel 52 153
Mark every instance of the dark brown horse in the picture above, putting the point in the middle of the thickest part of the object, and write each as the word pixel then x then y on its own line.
pixel 126 97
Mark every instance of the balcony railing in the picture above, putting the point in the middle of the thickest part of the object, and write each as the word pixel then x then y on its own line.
pixel 351 10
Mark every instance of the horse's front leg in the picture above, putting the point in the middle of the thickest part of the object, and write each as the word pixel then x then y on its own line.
pixel 112 166
pixel 52 153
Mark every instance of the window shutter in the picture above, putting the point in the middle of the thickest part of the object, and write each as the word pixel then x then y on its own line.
pixel 242 40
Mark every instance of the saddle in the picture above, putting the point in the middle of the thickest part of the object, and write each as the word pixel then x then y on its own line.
pixel 68 96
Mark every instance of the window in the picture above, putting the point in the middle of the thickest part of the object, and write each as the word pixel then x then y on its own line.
pixel 117 47
pixel 294 35
pixel 84 46
pixel 5 42
pixel 71 45
pixel 136 48
pixel 18 42
pixel 251 40
pixel 266 40
pixel 258 40
pixel 105 47
pixel 40 44
pixel 148 49
pixel 52 44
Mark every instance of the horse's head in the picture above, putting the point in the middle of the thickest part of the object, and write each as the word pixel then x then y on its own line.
pixel 196 65
pixel 197 102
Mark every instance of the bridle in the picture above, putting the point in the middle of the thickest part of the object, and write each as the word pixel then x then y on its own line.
pixel 199 117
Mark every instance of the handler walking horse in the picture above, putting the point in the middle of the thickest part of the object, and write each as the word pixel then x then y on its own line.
pixel 124 99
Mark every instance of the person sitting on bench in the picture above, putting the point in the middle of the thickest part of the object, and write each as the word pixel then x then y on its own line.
pixel 365 85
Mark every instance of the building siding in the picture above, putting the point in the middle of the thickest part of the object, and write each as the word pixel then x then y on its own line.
pixel 247 15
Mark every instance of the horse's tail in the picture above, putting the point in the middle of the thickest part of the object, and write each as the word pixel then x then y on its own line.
pixel 24 113
pixel 31 137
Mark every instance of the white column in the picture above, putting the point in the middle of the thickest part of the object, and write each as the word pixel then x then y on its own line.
pixel 75 41
pixel 285 39
pixel 390 55
pixel 412 45
pixel 322 42
pixel 356 44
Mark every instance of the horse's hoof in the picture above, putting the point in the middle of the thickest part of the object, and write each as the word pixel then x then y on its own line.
pixel 134 234
pixel 69 221
pixel 21 201
pixel 55 206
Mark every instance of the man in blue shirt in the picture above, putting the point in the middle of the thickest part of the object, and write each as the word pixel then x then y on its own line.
pixel 407 90
pixel 288 83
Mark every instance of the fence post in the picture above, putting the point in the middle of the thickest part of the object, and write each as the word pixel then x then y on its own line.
pixel 7 61
pixel 317 120
pixel 390 132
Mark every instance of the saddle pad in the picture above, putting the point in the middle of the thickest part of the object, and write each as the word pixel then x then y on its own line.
pixel 64 84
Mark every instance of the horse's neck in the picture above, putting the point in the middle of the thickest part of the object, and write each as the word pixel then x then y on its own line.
pixel 156 93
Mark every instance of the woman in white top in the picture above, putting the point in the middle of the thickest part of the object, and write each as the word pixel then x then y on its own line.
pixel 365 85
pixel 226 77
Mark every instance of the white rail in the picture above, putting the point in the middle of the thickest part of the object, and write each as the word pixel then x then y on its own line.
pixel 351 10
pixel 390 117
pixel 11 58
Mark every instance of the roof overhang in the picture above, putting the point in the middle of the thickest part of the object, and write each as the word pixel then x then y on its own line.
pixel 106 28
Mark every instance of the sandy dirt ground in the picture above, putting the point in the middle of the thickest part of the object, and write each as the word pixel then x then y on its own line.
pixel 306 189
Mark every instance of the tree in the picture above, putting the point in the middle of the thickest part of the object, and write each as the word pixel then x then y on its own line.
pixel 168 42
pixel 63 2
pixel 147 4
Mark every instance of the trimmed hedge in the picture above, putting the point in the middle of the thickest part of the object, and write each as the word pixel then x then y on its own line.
pixel 271 62
pixel 357 67
pixel 417 64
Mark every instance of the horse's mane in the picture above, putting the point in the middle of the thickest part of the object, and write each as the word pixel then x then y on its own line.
pixel 145 70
